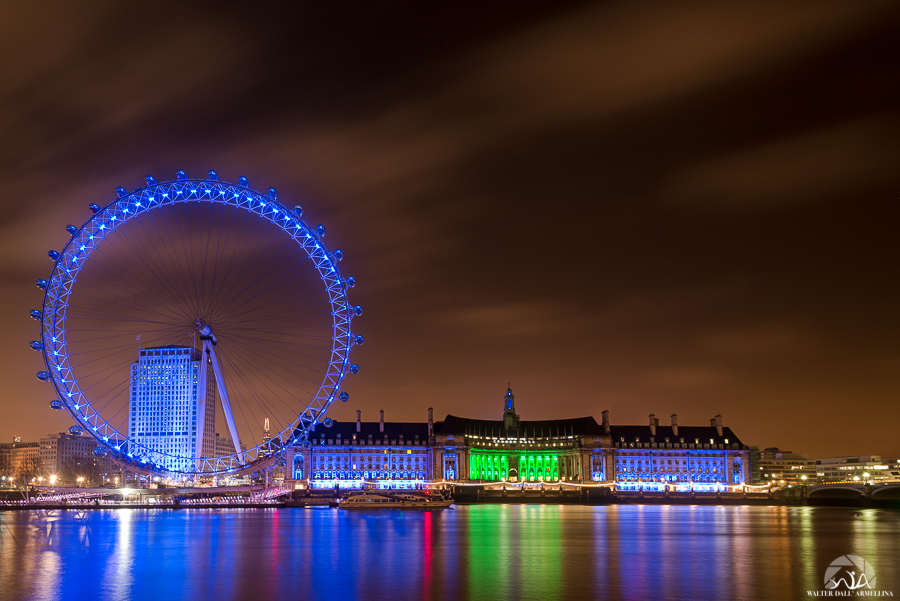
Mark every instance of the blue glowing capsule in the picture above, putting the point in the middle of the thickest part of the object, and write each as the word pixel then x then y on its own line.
pixel 298 210
pixel 273 193
pixel 94 208
pixel 42 284
pixel 35 314
pixel 328 422
pixel 243 182
pixel 357 310
pixel 72 229
pixel 351 282
pixel 180 174
pixel 43 376
pixel 213 175
pixel 354 369
pixel 151 181
pixel 53 254
pixel 338 254
pixel 99 452
pixel 345 397
pixel 359 339
pixel 36 346
pixel 76 430
pixel 121 191
pixel 56 405
pixel 320 229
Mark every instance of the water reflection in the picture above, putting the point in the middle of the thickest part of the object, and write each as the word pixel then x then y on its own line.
pixel 494 552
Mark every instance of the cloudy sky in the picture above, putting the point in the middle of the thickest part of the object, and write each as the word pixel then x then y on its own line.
pixel 647 208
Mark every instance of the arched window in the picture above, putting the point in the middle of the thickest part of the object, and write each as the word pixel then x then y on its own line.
pixel 737 472
pixel 298 467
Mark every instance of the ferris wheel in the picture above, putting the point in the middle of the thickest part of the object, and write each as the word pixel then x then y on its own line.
pixel 196 327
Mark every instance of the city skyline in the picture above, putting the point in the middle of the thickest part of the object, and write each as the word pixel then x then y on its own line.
pixel 687 210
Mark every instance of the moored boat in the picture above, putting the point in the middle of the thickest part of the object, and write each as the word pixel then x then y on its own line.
pixel 380 500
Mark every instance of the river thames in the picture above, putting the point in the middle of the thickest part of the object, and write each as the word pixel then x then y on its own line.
pixel 491 552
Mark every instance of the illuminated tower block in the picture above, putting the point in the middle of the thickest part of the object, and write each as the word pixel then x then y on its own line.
pixel 163 404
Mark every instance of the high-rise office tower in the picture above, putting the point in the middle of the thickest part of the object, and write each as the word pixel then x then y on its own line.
pixel 165 404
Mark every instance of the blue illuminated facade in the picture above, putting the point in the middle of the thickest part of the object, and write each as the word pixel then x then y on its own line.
pixel 361 454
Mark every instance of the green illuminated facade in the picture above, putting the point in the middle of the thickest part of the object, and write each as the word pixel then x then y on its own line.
pixel 502 466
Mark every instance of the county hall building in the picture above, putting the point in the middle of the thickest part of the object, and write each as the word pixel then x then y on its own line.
pixel 464 451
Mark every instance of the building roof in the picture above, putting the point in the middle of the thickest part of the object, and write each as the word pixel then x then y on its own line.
pixel 576 426
pixel 392 430
pixel 689 433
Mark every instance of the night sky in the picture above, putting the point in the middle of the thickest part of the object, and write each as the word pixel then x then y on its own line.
pixel 671 208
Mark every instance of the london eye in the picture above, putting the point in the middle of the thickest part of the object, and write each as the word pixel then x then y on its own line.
pixel 184 317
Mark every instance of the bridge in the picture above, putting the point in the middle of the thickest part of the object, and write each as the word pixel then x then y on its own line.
pixel 851 489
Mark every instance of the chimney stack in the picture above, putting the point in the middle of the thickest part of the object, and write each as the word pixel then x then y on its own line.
pixel 674 424
pixel 605 415
pixel 381 424
pixel 719 425
pixel 430 422
pixel 652 424
pixel 712 423
pixel 358 424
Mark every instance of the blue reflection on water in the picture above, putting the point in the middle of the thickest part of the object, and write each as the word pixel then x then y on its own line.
pixel 473 552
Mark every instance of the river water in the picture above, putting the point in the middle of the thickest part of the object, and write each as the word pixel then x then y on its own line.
pixel 491 552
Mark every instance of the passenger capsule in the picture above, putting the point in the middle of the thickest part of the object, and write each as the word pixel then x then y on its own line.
pixel 211 174
pixel 53 254
pixel 35 314
pixel 94 208
pixel 273 193
pixel 151 181
pixel 56 405
pixel 76 430
pixel 351 282
pixel 243 182
pixel 359 339
pixel 42 284
pixel 328 422
pixel 344 397
pixel 354 369
pixel 99 452
pixel 43 376
pixel 36 346
pixel 320 229
pixel 298 210
pixel 72 229
pixel 121 191
pixel 180 174
pixel 357 310
pixel 338 254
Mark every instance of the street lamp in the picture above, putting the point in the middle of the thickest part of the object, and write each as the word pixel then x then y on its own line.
pixel 79 480
pixel 53 479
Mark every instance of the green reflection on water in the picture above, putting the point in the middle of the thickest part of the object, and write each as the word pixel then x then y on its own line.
pixel 515 551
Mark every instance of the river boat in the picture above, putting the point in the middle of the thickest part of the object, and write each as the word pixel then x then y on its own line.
pixel 378 500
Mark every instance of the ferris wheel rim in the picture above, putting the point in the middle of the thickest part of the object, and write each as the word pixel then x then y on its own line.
pixel 76 252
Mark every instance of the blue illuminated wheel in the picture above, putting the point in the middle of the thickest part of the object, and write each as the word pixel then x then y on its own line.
pixel 190 292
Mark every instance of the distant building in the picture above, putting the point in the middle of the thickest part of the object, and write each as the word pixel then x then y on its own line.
pixel 65 450
pixel 865 468
pixel 471 451
pixel 784 468
pixel 19 460
pixel 165 404
pixel 225 446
